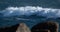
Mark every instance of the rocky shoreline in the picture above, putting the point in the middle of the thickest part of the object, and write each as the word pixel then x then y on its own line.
pixel 9 29
pixel 41 27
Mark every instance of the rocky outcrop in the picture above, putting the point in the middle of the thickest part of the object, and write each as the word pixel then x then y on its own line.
pixel 45 26
pixel 41 27
pixel 16 28
pixel 22 28
pixel 9 29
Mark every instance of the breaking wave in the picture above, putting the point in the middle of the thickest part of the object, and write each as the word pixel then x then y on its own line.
pixel 30 10
pixel 27 11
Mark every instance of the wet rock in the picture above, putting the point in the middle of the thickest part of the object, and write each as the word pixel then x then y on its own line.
pixel 49 25
pixel 9 29
pixel 22 28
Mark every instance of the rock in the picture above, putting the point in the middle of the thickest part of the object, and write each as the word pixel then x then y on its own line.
pixel 45 30
pixel 22 28
pixel 9 29
pixel 49 25
pixel 16 28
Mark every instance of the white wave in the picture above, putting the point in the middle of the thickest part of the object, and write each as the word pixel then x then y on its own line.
pixel 29 10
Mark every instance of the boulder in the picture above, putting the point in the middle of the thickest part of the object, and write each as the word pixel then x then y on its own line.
pixel 23 28
pixel 43 26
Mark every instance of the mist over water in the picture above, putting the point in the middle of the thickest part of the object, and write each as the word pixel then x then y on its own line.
pixel 30 10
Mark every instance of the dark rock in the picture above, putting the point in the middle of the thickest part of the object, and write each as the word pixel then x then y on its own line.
pixel 9 29
pixel 50 25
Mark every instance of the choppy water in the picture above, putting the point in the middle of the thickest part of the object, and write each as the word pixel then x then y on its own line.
pixel 30 15
pixel 27 8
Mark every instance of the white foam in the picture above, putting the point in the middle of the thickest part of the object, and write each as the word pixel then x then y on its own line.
pixel 29 10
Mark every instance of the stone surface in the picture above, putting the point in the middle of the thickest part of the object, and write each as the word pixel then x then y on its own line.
pixel 50 25
pixel 22 28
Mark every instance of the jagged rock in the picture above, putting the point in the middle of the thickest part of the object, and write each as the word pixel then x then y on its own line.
pixel 44 30
pixel 49 25
pixel 9 29
pixel 22 28
pixel 16 28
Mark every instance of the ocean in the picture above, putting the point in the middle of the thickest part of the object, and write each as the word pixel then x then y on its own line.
pixel 30 15
pixel 31 12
